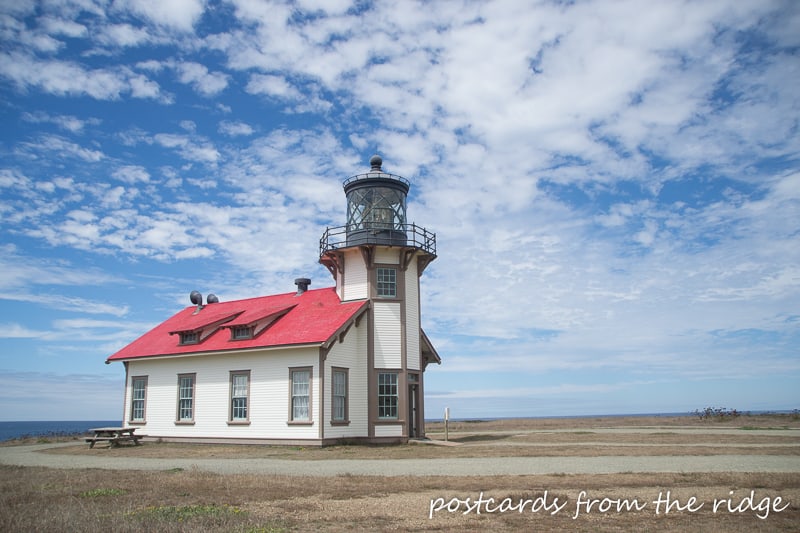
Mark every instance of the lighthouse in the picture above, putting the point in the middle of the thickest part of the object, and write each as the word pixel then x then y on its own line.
pixel 341 363
pixel 379 257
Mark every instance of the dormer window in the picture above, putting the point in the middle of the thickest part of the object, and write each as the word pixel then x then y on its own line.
pixel 190 337
pixel 239 333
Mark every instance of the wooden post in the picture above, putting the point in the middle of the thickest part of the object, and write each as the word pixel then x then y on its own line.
pixel 446 422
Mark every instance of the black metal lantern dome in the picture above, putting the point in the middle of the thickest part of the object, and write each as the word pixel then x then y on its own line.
pixel 376 207
pixel 376 215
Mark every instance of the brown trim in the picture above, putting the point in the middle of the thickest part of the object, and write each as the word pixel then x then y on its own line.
pixel 423 260
pixel 124 393
pixel 278 442
pixel 406 255
pixel 341 279
pixel 346 420
pixel 178 419
pixel 368 254
pixel 397 372
pixel 333 261
pixel 414 392
pixel 291 421
pixel 238 422
pixel 236 351
pixel 372 281
pixel 130 418
pixel 323 355
pixel 372 378
pixel 421 404
pixel 188 337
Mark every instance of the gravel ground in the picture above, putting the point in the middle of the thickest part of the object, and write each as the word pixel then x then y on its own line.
pixel 28 456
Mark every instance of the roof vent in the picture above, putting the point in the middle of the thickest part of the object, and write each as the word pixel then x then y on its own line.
pixel 375 162
pixel 197 299
pixel 302 285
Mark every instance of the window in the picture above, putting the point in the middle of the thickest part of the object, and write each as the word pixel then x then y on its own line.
pixel 376 208
pixel 190 337
pixel 387 395
pixel 339 413
pixel 300 408
pixel 186 397
pixel 240 391
pixel 241 332
pixel 138 396
pixel 387 282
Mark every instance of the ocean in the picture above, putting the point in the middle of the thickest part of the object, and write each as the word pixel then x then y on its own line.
pixel 13 430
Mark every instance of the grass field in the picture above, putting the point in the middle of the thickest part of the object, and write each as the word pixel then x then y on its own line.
pixel 38 499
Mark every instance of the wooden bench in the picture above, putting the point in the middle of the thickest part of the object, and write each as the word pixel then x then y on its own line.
pixel 114 436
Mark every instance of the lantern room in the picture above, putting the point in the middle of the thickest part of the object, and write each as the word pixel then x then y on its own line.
pixel 376 207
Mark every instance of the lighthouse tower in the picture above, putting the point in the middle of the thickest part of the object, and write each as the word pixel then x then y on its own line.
pixel 378 256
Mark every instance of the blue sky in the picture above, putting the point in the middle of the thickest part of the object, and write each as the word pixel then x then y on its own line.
pixel 614 186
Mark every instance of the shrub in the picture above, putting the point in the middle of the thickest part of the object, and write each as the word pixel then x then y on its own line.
pixel 719 413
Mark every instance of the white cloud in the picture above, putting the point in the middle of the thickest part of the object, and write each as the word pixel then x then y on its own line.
pixel 271 86
pixel 68 122
pixel 235 129
pixel 176 14
pixel 60 147
pixel 66 78
pixel 64 27
pixel 123 35
pixel 19 271
pixel 190 148
pixel 612 187
pixel 131 174
pixel 204 82
pixel 17 331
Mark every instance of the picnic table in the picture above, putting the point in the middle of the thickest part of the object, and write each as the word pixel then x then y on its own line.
pixel 114 436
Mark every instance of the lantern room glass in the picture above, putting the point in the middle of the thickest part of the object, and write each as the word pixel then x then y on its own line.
pixel 376 208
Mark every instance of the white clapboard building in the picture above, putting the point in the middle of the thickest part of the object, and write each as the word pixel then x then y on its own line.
pixel 310 366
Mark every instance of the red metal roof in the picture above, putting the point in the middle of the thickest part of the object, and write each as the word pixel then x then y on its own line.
pixel 312 317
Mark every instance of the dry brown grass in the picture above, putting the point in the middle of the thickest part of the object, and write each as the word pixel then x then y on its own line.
pixel 37 499
pixel 42 500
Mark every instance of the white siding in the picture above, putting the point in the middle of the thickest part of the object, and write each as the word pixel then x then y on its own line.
pixel 412 317
pixel 356 284
pixel 387 334
pixel 269 394
pixel 382 430
pixel 352 355
pixel 339 286
pixel 389 256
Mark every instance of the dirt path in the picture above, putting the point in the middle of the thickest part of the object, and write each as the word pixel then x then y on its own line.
pixel 29 456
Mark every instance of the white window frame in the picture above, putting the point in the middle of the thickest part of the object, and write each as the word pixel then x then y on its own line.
pixel 339 396
pixel 186 402
pixel 300 395
pixel 138 404
pixel 237 392
pixel 388 400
